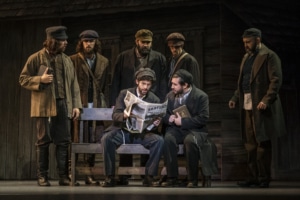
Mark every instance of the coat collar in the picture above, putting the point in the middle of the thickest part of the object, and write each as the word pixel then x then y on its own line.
pixel 258 61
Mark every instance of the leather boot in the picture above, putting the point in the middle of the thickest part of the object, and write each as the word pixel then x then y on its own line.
pixel 206 181
pixel 90 180
pixel 42 158
pixel 62 155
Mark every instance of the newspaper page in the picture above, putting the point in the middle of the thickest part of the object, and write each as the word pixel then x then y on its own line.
pixel 142 114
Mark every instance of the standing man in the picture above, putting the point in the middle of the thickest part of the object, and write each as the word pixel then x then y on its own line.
pixel 127 64
pixel 181 59
pixel 92 72
pixel 189 131
pixel 55 99
pixel 261 114
pixel 131 60
pixel 117 134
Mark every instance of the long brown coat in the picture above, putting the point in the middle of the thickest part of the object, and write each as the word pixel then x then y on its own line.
pixel 43 103
pixel 101 75
pixel 265 82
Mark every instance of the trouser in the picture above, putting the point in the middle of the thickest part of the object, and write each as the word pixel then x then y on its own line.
pixel 259 153
pixel 57 130
pixel 111 140
pixel 191 142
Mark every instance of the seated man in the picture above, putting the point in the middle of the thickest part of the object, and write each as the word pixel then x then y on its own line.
pixel 116 134
pixel 189 130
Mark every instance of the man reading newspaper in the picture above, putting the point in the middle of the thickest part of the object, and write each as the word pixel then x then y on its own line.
pixel 118 133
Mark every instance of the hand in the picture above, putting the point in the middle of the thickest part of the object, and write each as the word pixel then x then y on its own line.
pixel 157 122
pixel 75 113
pixel 231 104
pixel 47 78
pixel 172 118
pixel 177 120
pixel 261 106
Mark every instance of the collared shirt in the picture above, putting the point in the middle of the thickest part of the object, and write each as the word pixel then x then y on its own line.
pixel 180 99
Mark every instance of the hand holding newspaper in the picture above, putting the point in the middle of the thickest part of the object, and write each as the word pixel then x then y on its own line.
pixel 142 114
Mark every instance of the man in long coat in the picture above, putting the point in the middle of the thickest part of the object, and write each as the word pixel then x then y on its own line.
pixel 181 59
pixel 55 99
pixel 92 74
pixel 261 113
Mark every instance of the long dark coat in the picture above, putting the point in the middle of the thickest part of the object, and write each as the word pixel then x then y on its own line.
pixel 265 82
pixel 126 66
pixel 190 64
pixel 198 105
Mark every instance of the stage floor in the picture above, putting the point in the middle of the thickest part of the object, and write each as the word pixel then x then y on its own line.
pixel 28 190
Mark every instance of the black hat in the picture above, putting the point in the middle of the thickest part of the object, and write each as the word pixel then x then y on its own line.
pixel 144 34
pixel 88 34
pixel 175 39
pixel 186 76
pixel 145 72
pixel 252 32
pixel 56 32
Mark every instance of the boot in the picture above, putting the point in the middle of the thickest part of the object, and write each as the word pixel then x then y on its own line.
pixel 206 181
pixel 90 180
pixel 42 157
pixel 62 154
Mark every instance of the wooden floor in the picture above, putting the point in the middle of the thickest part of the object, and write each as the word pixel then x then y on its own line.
pixel 28 190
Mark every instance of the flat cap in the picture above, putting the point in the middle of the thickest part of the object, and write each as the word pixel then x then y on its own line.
pixel 88 35
pixel 56 32
pixel 175 36
pixel 145 72
pixel 186 76
pixel 175 39
pixel 144 34
pixel 252 32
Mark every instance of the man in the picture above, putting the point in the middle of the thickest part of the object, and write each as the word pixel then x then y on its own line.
pixel 55 99
pixel 142 55
pixel 92 72
pixel 127 63
pixel 261 113
pixel 181 59
pixel 117 134
pixel 190 131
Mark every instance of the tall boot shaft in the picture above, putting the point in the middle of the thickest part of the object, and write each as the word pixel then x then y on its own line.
pixel 42 160
pixel 62 159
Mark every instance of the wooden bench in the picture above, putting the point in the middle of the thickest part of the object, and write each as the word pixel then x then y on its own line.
pixel 103 114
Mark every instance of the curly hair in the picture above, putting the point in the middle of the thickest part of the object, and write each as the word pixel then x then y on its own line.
pixel 51 45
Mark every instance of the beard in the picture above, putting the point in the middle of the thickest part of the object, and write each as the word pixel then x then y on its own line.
pixel 144 50
pixel 88 51
pixel 178 92
pixel 252 49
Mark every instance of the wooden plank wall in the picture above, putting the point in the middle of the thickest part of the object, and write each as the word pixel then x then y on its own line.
pixel 17 130
pixel 218 48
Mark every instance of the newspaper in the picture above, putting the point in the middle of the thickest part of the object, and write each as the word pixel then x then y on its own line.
pixel 142 114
